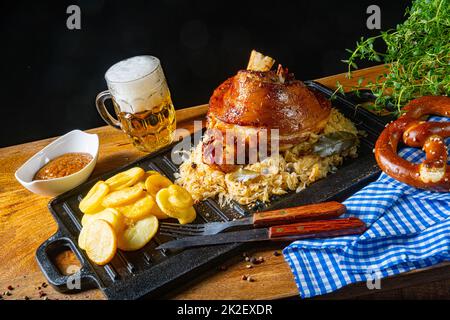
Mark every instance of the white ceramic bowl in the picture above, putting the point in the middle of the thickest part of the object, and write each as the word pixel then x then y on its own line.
pixel 74 141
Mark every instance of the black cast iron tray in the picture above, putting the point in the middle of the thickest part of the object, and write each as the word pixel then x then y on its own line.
pixel 151 273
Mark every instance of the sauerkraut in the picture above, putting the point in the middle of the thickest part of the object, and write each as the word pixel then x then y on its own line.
pixel 290 170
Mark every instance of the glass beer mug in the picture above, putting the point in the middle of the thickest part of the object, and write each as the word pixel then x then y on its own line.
pixel 142 102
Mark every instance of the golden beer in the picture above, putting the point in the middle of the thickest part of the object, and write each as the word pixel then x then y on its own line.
pixel 149 130
pixel 142 102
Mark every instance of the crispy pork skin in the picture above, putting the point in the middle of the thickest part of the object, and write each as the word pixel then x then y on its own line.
pixel 255 100
pixel 260 99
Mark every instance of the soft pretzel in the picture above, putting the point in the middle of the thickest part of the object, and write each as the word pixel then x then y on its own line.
pixel 433 173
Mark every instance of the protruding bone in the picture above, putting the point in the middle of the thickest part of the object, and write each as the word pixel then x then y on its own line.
pixel 259 62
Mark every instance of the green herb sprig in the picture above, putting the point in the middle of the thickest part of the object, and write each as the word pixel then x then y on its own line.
pixel 417 54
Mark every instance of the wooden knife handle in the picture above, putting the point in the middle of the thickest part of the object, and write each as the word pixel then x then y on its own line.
pixel 318 211
pixel 320 229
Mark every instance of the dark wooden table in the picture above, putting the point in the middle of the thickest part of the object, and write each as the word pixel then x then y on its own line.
pixel 25 223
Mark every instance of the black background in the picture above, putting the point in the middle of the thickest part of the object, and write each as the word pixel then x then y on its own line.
pixel 51 75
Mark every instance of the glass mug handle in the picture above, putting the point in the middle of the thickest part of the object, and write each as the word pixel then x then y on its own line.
pixel 101 108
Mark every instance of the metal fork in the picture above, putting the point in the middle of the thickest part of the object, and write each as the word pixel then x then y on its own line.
pixel 178 231
pixel 325 210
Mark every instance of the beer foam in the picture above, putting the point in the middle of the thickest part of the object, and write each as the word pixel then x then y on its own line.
pixel 137 84
pixel 132 69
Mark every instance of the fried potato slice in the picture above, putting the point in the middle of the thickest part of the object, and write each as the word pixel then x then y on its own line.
pixel 92 202
pixel 180 197
pixel 150 173
pixel 165 200
pixel 188 216
pixel 82 238
pixel 156 182
pixel 157 212
pixel 137 235
pixel 100 242
pixel 142 208
pixel 125 179
pixel 142 184
pixel 110 215
pixel 87 218
pixel 123 197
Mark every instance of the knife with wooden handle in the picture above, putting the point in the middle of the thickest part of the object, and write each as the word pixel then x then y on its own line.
pixel 290 232
pixel 317 211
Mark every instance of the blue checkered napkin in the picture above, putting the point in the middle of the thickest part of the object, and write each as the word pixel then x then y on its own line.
pixel 407 229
